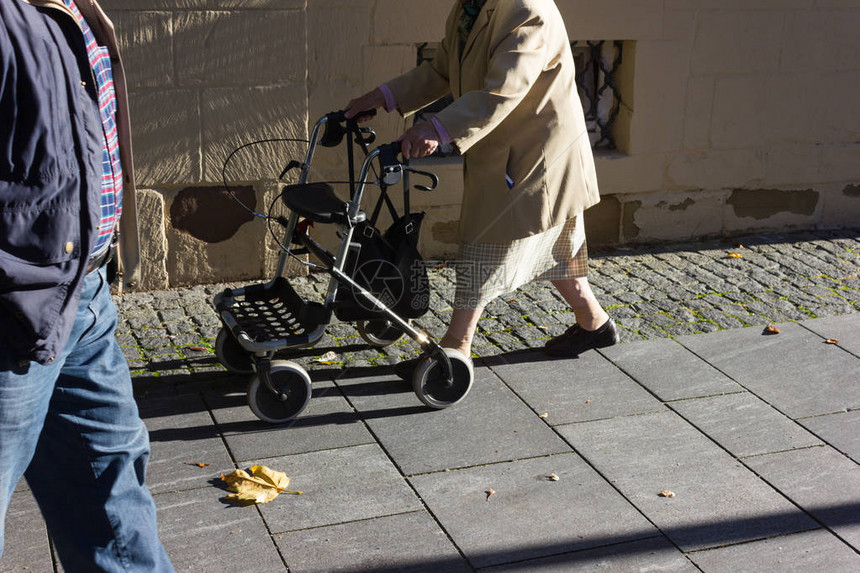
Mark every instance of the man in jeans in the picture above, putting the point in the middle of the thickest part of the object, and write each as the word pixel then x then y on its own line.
pixel 67 414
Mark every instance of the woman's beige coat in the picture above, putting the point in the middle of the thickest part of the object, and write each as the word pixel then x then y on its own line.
pixel 516 111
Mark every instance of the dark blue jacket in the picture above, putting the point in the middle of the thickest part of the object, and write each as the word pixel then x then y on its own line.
pixel 50 170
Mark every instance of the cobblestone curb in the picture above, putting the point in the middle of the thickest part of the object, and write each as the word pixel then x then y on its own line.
pixel 652 292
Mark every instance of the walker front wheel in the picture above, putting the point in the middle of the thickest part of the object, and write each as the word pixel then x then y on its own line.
pixel 430 385
pixel 231 354
pixel 293 386
pixel 379 332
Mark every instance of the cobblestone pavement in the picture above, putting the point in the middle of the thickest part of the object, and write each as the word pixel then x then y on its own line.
pixel 652 292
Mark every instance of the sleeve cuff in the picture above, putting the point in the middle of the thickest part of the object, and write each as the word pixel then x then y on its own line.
pixel 390 102
pixel 444 136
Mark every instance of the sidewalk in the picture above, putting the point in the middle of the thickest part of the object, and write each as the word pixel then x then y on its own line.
pixel 756 436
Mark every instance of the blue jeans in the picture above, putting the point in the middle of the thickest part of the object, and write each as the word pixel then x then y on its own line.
pixel 73 426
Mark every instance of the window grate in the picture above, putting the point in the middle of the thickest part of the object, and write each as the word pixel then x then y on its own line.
pixel 597 64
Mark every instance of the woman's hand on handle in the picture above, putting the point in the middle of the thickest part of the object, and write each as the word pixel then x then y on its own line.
pixel 420 140
pixel 371 100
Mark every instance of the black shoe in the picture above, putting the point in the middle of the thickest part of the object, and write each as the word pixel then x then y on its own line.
pixel 577 340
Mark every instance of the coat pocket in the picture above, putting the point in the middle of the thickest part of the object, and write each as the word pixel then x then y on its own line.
pixel 40 234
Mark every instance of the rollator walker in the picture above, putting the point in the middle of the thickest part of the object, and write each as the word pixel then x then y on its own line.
pixel 262 319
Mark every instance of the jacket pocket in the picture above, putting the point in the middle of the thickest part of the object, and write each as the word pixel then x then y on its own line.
pixel 39 234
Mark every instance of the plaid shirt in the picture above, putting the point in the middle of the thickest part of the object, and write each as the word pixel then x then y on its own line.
pixel 111 192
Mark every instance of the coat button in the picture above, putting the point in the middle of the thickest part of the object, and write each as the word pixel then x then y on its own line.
pixel 70 246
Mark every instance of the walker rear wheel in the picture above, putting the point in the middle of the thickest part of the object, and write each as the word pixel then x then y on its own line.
pixel 379 332
pixel 293 385
pixel 231 354
pixel 433 389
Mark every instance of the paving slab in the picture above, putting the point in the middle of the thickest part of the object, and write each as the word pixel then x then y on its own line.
pixel 842 431
pixel 181 435
pixel 339 486
pixel 794 371
pixel 366 545
pixel 820 480
pixel 717 500
pixel 669 370
pixel 573 390
pixel 26 546
pixel 806 552
pixel 845 329
pixel 654 554
pixel 328 422
pixel 201 532
pixel 528 515
pixel 744 425
pixel 490 425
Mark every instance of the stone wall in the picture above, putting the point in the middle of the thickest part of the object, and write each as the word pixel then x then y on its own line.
pixel 738 115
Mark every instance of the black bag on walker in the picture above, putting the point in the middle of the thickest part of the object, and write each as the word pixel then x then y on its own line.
pixel 390 267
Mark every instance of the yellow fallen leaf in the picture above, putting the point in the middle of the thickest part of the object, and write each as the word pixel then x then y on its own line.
pixel 735 256
pixel 832 341
pixel 262 485
pixel 543 416
pixel 554 477
pixel 667 493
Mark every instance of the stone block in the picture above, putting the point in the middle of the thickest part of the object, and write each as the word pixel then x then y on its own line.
pixel 455 437
pixel 844 329
pixel 367 546
pixel 821 39
pixel 654 554
pixel 336 33
pixel 240 48
pixel 771 208
pixel 780 369
pixel 523 518
pixel 676 216
pixel 669 370
pixel 194 261
pixel 715 169
pixel 737 41
pixel 181 435
pixel 603 221
pixel 589 388
pixel 738 103
pixel 717 501
pixel 612 19
pixel 166 133
pixel 382 63
pixel 397 22
pixel 841 205
pixel 327 423
pixel 817 550
pixel 232 117
pixel 186 520
pixel 146 42
pixel 117 5
pixel 439 233
pixel 331 496
pixel 618 173
pixel 153 240
pixel 697 113
pixel 678 24
pixel 744 425
pixel 807 478
pixel 661 84
pixel 840 430
pixel 719 5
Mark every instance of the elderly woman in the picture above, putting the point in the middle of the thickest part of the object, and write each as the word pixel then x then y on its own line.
pixel 528 169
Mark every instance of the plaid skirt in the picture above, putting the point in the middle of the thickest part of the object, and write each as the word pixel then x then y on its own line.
pixel 488 270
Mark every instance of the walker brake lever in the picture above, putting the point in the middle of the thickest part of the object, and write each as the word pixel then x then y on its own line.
pixel 291 165
pixel 434 179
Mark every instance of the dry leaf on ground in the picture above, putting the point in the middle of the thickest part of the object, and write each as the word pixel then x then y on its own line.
pixel 771 329
pixel 329 357
pixel 554 477
pixel 199 464
pixel 262 485
pixel 490 493
pixel 735 256
pixel 667 493
pixel 832 341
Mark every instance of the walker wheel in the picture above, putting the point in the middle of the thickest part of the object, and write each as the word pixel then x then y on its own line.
pixel 379 332
pixel 288 378
pixel 231 354
pixel 430 385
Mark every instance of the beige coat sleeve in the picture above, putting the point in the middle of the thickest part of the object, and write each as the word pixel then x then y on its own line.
pixel 518 53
